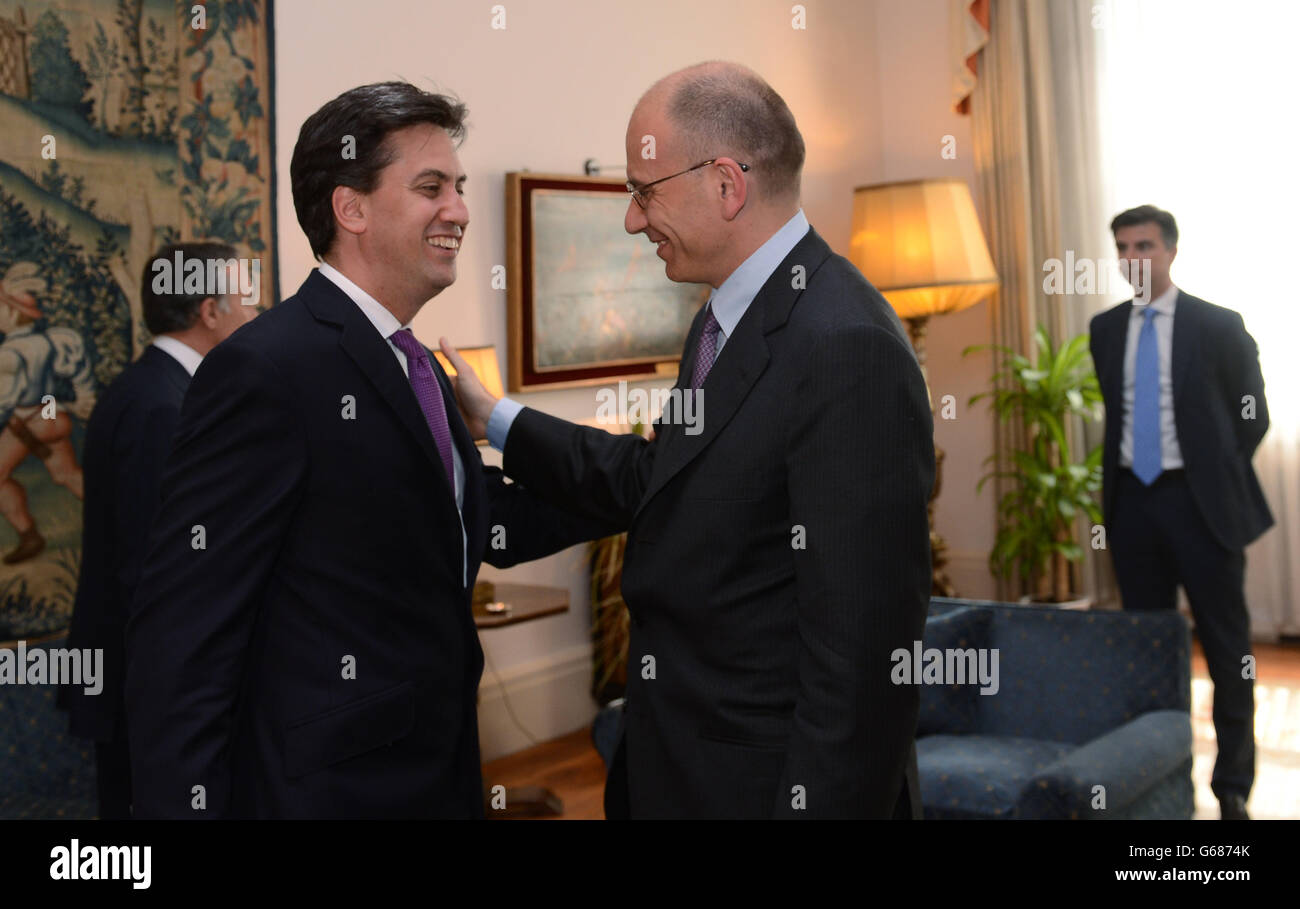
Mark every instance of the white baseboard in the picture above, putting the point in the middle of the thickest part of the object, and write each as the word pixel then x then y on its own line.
pixel 550 697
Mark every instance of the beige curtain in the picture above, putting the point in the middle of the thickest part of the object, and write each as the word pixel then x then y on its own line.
pixel 968 34
pixel 1035 128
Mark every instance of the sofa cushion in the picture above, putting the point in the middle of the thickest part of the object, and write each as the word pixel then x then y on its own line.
pixel 1125 762
pixel 952 709
pixel 979 776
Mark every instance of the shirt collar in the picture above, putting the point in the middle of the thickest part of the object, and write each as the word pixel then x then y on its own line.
pixel 1163 304
pixel 384 321
pixel 182 353
pixel 736 293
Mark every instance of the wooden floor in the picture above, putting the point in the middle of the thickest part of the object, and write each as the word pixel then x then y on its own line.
pixel 572 769
pixel 569 766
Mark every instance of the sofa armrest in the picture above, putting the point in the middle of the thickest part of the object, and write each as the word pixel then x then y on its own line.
pixel 1127 761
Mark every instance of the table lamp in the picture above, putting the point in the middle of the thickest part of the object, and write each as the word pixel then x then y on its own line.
pixel 919 242
pixel 483 360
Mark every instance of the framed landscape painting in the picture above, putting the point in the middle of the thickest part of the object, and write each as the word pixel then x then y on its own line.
pixel 589 303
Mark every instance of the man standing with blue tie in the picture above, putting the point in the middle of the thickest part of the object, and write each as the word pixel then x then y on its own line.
pixel 1185 411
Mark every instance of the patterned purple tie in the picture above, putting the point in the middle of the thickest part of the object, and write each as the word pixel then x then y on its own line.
pixel 429 394
pixel 706 351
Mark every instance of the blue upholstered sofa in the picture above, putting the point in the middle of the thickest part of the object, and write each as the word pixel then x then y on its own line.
pixel 1085 699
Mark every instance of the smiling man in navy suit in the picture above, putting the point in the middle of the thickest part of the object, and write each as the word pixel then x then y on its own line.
pixel 1185 411
pixel 302 643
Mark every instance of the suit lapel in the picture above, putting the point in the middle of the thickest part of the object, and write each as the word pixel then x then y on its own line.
pixel 375 358
pixel 1184 341
pixel 666 427
pixel 1114 374
pixel 741 361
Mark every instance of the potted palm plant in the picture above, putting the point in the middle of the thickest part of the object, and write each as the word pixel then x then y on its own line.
pixel 1037 516
pixel 609 619
pixel 609 615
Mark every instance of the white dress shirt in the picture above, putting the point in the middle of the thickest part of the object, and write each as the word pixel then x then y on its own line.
pixel 1171 456
pixel 179 351
pixel 387 325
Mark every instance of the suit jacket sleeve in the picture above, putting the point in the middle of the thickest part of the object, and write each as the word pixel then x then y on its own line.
pixel 596 474
pixel 142 442
pixel 860 467
pixel 523 527
pixel 1249 380
pixel 235 475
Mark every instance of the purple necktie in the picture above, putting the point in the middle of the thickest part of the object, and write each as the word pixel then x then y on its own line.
pixel 706 351
pixel 429 393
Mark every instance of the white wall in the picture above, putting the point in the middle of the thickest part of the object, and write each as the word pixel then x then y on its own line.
pixel 915 86
pixel 867 82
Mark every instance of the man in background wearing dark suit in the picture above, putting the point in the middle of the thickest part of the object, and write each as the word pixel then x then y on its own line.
pixel 779 556
pixel 128 439
pixel 302 642
pixel 1185 411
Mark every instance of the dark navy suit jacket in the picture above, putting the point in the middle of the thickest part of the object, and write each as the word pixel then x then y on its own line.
pixel 302 643
pixel 1215 365
pixel 128 439
pixel 775 560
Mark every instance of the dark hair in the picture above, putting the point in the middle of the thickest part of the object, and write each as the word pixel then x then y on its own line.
pixel 726 109
pixel 168 312
pixel 368 115
pixel 1148 214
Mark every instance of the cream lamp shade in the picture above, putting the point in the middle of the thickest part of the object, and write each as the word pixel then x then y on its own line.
pixel 919 242
pixel 483 360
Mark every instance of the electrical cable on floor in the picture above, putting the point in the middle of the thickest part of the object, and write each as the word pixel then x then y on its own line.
pixel 505 697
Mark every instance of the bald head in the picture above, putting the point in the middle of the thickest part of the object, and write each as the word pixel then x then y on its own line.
pixel 720 108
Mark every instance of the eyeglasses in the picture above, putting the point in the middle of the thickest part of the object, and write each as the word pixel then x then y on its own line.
pixel 642 198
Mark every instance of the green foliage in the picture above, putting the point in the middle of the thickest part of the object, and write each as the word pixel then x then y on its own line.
pixel 55 181
pixel 610 619
pixel 1037 516
pixel 80 292
pixel 56 76
pixel 210 204
pixel 160 54
pixel 225 18
pixel 248 107
pixel 103 62
pixel 25 615
pixel 133 105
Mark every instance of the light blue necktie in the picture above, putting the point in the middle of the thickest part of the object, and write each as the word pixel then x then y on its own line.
pixel 1146 402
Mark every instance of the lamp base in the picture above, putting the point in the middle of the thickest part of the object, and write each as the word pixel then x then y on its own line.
pixel 940 585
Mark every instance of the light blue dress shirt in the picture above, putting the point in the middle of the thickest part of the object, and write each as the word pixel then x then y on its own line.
pixel 729 302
